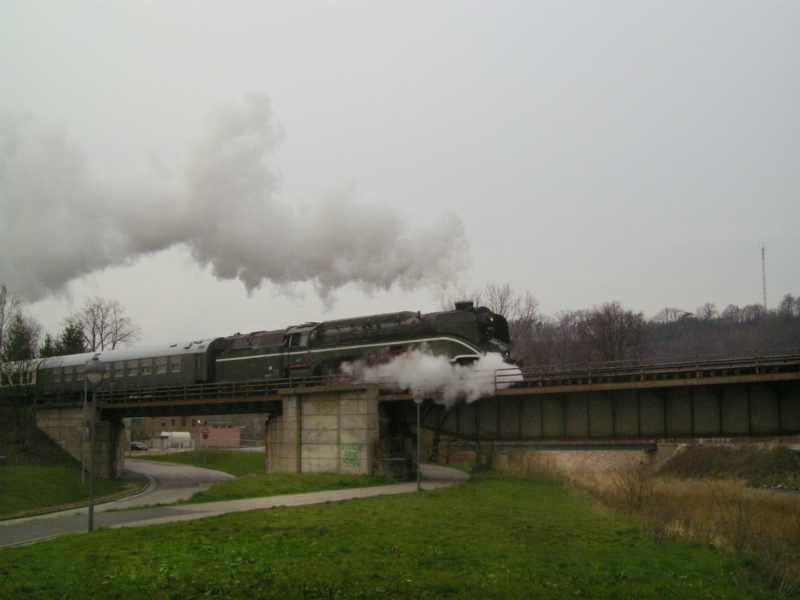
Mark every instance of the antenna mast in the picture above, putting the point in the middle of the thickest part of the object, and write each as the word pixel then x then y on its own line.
pixel 764 274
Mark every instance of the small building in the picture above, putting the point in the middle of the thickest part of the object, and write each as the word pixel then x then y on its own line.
pixel 172 440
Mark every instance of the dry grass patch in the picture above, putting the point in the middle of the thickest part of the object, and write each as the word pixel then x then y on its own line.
pixel 760 524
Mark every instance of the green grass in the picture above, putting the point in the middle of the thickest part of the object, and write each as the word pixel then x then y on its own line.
pixel 28 489
pixel 230 461
pixel 274 484
pixel 489 538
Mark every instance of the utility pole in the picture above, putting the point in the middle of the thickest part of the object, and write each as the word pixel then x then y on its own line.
pixel 764 274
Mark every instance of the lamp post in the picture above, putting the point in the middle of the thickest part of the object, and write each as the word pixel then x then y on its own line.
pixel 94 371
pixel 418 402
pixel 84 433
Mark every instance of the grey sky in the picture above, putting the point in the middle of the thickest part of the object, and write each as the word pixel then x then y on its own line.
pixel 637 151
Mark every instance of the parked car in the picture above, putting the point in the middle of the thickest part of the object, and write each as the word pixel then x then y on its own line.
pixel 138 446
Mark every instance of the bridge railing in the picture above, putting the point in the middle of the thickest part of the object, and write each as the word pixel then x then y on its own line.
pixel 501 378
pixel 596 371
pixel 111 396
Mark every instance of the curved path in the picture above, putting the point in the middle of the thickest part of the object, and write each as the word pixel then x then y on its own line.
pixel 168 483
pixel 171 483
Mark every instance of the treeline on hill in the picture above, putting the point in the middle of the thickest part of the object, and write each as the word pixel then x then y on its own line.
pixel 101 324
pixel 610 332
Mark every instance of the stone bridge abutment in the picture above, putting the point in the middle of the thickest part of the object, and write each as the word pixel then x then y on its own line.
pixel 69 428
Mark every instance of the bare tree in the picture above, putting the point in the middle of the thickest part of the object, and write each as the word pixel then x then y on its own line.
pixel 612 331
pixel 526 328
pixel 789 306
pixel 732 313
pixel 707 312
pixel 105 325
pixel 753 312
pixel 501 299
pixel 9 306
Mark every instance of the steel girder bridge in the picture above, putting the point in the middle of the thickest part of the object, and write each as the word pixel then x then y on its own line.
pixel 757 395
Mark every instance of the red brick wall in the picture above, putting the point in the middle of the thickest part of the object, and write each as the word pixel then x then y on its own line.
pixel 210 436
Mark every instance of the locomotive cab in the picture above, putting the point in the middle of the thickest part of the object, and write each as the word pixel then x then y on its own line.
pixel 296 342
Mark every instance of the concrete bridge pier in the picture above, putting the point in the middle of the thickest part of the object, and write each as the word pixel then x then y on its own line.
pixel 65 427
pixel 324 430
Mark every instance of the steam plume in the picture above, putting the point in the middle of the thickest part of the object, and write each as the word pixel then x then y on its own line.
pixel 428 376
pixel 58 222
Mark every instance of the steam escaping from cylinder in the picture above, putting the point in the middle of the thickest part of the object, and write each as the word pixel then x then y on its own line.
pixel 427 376
pixel 59 222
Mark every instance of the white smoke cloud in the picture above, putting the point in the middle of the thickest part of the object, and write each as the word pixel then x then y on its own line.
pixel 428 376
pixel 58 222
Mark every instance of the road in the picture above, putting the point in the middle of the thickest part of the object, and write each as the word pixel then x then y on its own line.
pixel 167 483
pixel 170 483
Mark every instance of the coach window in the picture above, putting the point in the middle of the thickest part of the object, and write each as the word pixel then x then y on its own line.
pixel 161 365
pixel 147 366
pixel 67 374
pixel 119 370
pixel 175 364
pixel 133 368
pixel 78 373
pixel 57 375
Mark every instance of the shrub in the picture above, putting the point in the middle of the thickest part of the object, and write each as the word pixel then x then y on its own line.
pixel 633 487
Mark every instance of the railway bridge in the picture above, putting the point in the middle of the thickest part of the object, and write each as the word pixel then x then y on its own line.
pixel 713 397
pixel 327 424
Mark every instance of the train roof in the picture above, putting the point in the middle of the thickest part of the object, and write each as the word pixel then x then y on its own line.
pixel 402 316
pixel 74 360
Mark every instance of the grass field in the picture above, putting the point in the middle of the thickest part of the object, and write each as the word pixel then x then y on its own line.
pixel 489 538
pixel 229 461
pixel 28 489
pixel 274 484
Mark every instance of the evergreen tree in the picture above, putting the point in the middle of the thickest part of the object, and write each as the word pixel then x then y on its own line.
pixel 48 348
pixel 22 339
pixel 72 340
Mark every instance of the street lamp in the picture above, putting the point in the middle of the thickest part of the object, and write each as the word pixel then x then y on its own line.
pixel 94 371
pixel 418 401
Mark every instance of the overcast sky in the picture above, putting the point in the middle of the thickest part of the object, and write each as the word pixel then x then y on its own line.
pixel 592 151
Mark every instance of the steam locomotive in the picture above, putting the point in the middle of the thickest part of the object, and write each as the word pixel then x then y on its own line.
pixel 310 349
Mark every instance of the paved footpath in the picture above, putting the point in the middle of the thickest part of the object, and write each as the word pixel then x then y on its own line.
pixel 31 529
